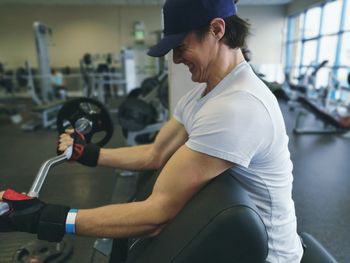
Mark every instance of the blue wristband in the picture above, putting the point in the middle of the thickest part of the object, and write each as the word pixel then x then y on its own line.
pixel 70 221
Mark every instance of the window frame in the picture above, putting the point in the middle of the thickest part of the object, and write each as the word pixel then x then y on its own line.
pixel 294 35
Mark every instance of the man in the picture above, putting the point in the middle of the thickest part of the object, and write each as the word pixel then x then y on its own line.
pixel 232 121
pixel 58 84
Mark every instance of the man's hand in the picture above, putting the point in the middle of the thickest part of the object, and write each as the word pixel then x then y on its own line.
pixel 83 152
pixel 23 214
pixel 32 215
pixel 65 140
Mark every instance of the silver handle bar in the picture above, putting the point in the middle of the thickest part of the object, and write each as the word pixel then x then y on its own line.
pixel 41 176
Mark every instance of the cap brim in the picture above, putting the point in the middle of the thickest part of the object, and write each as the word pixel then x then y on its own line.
pixel 166 44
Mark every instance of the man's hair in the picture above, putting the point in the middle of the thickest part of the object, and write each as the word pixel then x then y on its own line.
pixel 236 32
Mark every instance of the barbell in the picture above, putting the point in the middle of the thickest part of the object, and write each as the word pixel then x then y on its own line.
pixel 89 116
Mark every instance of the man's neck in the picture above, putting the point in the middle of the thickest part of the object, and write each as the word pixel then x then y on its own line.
pixel 227 60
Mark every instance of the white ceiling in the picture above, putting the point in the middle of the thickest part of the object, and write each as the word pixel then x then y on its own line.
pixel 126 2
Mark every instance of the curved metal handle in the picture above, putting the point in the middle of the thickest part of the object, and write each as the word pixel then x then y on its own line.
pixel 40 178
pixel 44 169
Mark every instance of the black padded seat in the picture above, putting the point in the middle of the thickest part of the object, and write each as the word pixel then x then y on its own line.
pixel 300 88
pixel 220 224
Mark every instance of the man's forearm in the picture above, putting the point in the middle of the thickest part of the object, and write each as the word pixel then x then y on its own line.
pixel 121 220
pixel 129 158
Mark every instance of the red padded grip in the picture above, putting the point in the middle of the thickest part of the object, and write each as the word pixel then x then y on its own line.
pixel 12 195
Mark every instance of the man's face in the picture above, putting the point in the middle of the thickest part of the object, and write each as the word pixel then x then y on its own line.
pixel 197 55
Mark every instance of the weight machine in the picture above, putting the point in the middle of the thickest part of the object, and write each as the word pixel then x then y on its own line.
pixel 103 76
pixel 47 106
pixel 304 87
pixel 8 105
pixel 42 34
pixel 332 110
pixel 110 75
pixel 145 110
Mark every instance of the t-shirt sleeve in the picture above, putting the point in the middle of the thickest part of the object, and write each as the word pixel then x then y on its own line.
pixel 235 130
pixel 178 111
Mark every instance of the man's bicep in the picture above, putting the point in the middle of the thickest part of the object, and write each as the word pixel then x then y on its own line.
pixel 169 139
pixel 184 175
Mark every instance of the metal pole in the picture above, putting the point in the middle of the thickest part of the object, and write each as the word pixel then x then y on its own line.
pixel 41 33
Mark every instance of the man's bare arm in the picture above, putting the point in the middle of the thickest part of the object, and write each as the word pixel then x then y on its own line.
pixel 150 156
pixel 183 176
pixel 142 157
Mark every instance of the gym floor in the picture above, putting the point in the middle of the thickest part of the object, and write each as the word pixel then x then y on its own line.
pixel 321 184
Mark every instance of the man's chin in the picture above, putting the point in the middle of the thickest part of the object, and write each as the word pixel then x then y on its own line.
pixel 196 79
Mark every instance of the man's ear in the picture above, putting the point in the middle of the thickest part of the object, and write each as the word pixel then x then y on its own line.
pixel 217 28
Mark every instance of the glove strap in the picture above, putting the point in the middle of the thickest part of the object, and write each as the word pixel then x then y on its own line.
pixel 90 155
pixel 52 221
pixel 70 221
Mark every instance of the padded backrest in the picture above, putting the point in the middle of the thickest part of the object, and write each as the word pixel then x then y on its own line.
pixel 220 224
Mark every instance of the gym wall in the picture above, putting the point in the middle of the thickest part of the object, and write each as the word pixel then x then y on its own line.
pixel 76 30
pixel 267 32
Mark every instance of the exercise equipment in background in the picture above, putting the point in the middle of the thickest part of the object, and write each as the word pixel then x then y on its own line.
pixel 331 110
pixel 39 251
pixel 145 110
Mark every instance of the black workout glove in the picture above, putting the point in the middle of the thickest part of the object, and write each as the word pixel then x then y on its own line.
pixel 83 152
pixel 31 215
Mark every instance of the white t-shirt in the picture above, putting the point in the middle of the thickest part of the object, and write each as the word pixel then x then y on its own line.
pixel 240 121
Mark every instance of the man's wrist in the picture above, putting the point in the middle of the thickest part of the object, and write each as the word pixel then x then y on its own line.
pixel 90 155
pixel 52 222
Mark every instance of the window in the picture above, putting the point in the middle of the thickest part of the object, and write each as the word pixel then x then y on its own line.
pixel 316 34
pixel 345 50
pixel 328 49
pixel 322 77
pixel 331 17
pixel 297 26
pixel 309 55
pixel 347 17
pixel 312 22
pixel 295 49
pixel 343 76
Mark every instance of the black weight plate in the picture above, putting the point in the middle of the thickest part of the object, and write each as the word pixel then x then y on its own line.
pixel 92 110
pixel 135 93
pixel 43 252
pixel 135 114
pixel 148 85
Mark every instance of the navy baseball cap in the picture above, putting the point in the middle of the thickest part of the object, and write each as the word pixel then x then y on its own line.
pixel 183 16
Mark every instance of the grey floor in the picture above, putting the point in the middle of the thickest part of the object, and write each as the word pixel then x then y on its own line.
pixel 321 184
